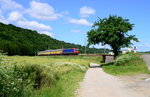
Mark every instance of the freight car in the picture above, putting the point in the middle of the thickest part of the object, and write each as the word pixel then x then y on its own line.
pixel 72 51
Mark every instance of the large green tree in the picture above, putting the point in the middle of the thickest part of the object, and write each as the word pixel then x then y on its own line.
pixel 112 31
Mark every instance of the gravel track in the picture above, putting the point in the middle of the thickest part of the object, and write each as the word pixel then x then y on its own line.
pixel 99 84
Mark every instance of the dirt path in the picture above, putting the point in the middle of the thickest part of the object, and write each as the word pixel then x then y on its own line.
pixel 99 84
pixel 139 83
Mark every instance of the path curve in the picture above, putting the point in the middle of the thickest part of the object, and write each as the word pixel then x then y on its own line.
pixel 99 84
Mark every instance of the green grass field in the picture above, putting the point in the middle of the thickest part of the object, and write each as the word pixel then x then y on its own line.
pixel 128 64
pixel 56 76
pixel 42 76
pixel 40 60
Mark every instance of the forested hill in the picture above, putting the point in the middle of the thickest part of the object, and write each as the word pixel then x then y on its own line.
pixel 18 41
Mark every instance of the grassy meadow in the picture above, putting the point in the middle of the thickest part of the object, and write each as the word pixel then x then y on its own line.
pixel 127 64
pixel 42 76
pixel 57 76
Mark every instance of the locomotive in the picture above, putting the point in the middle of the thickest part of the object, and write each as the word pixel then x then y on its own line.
pixel 71 51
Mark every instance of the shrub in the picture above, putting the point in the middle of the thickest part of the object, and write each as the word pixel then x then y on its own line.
pixel 128 64
pixel 39 74
pixel 18 81
pixel 123 59
pixel 13 82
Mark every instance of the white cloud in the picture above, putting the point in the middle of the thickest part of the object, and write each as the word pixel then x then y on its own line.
pixel 3 20
pixel 15 16
pixel 42 11
pixel 47 33
pixel 9 5
pixel 34 25
pixel 79 22
pixel 86 11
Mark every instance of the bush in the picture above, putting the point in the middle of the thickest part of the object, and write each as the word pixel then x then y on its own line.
pixel 18 81
pixel 13 82
pixel 40 75
pixel 128 64
pixel 123 59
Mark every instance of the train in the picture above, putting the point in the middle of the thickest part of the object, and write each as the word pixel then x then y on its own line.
pixel 69 51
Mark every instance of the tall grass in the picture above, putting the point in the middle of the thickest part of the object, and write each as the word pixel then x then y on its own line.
pixel 127 64
pixel 65 86
pixel 44 76
pixel 13 82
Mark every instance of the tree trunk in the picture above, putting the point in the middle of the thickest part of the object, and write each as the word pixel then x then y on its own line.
pixel 116 52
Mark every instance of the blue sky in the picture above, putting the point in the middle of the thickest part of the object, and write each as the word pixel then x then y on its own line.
pixel 69 20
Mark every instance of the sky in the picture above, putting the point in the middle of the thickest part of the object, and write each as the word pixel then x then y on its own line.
pixel 70 20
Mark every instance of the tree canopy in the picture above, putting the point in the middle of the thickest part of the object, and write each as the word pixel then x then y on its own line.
pixel 112 31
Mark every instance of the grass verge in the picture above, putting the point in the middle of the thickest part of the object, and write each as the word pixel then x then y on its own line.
pixel 128 64
pixel 65 86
